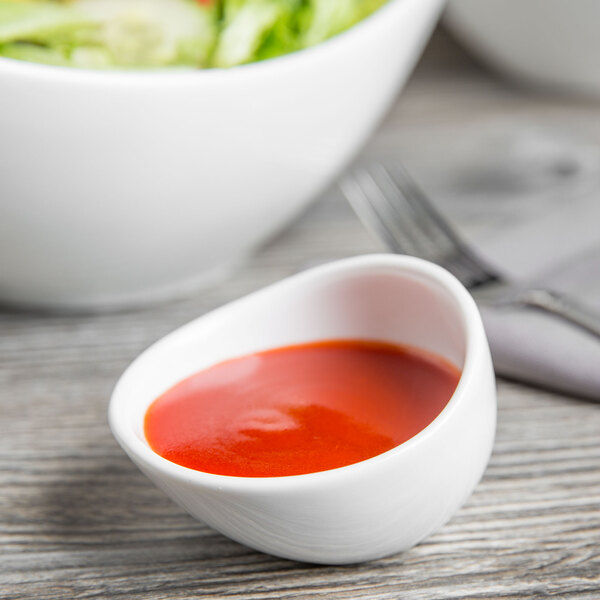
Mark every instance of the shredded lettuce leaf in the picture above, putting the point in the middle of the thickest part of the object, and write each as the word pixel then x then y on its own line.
pixel 163 33
pixel 37 21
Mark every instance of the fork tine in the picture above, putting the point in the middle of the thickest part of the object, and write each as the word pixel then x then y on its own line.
pixel 416 231
pixel 399 212
pixel 477 271
pixel 373 200
pixel 409 231
pixel 354 192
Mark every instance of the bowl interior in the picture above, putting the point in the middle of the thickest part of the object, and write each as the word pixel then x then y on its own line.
pixel 405 302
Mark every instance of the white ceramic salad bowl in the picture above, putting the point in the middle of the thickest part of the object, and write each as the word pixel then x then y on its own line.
pixel 370 509
pixel 118 188
pixel 549 43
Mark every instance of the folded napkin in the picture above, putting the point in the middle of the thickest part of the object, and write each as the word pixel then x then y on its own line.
pixel 543 351
pixel 528 201
pixel 537 348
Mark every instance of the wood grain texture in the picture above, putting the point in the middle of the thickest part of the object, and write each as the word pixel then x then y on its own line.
pixel 78 520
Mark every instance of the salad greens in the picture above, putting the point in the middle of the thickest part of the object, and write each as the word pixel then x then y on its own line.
pixel 161 33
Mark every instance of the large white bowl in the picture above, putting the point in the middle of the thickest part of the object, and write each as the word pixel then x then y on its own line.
pixel 550 43
pixel 373 508
pixel 121 187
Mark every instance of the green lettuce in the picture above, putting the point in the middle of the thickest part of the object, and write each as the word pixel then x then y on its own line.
pixel 162 33
pixel 37 22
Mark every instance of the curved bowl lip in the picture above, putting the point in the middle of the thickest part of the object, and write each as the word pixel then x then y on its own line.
pixel 475 346
pixel 186 75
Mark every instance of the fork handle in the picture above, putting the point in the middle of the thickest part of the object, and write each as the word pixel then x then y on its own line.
pixel 562 306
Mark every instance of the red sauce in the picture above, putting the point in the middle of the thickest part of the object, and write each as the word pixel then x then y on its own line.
pixel 299 409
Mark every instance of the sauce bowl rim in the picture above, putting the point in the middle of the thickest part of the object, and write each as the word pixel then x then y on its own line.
pixel 475 344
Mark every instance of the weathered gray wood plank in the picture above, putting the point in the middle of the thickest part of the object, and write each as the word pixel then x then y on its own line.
pixel 77 520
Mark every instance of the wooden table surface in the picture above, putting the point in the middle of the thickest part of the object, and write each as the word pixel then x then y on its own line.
pixel 78 520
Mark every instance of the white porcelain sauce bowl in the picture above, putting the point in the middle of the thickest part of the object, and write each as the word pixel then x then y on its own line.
pixel 120 187
pixel 363 511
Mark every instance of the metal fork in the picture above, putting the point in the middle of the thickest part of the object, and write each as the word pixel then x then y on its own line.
pixel 393 206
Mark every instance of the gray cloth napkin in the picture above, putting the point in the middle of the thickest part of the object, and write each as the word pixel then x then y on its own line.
pixel 531 346
pixel 543 351
pixel 528 201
